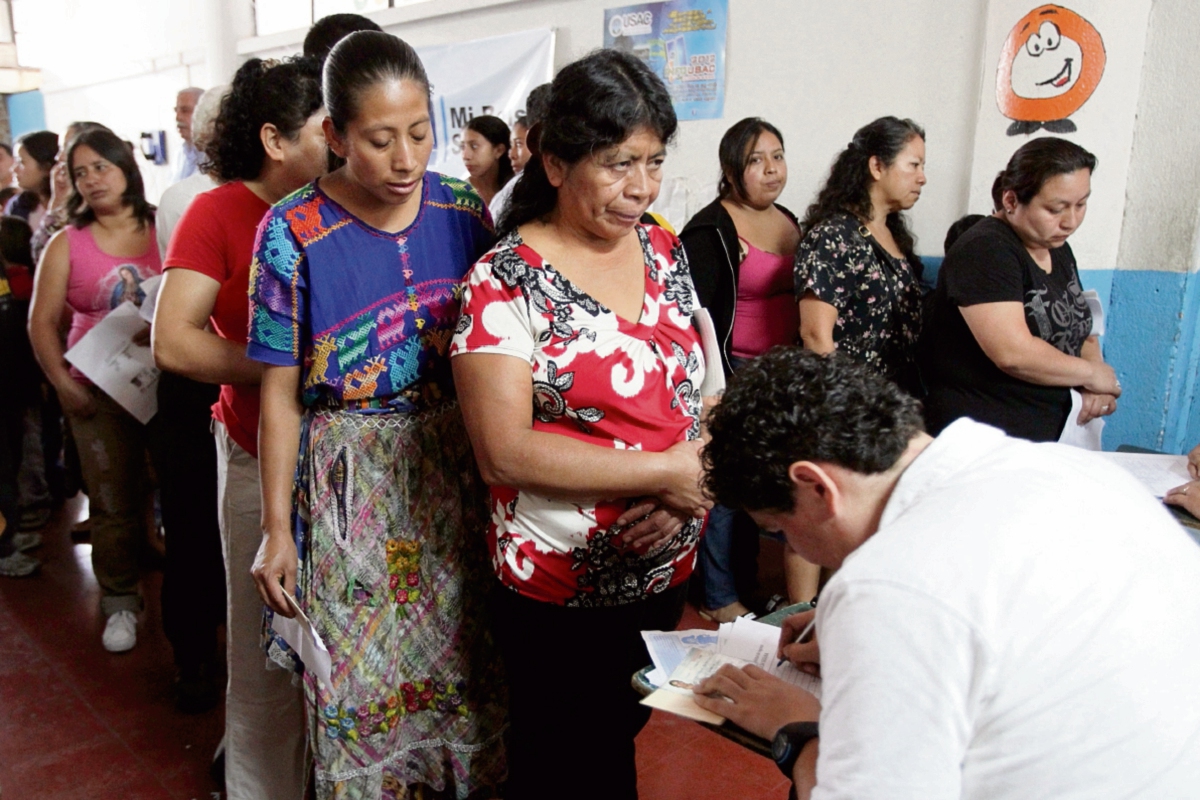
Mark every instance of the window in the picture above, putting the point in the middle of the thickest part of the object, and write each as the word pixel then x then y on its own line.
pixel 274 16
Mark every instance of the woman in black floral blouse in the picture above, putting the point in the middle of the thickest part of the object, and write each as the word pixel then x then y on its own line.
pixel 857 277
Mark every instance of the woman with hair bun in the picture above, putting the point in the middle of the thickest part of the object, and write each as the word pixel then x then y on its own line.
pixel 266 143
pixel 377 533
pixel 1009 332
pixel 579 371
pixel 857 277
pixel 485 155
pixel 34 159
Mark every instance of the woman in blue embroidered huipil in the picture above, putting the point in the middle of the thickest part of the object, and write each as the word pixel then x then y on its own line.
pixel 354 299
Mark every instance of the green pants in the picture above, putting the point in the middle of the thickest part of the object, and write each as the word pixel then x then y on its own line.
pixel 112 454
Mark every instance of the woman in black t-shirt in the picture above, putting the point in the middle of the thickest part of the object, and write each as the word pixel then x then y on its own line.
pixel 1009 334
pixel 857 279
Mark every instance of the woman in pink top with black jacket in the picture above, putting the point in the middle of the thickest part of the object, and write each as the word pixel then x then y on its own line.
pixel 740 250
pixel 97 263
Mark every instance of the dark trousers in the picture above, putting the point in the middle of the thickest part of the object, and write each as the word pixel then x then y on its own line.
pixel 11 432
pixel 573 713
pixel 185 459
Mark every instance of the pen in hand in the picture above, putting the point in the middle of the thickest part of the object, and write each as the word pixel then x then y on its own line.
pixel 799 639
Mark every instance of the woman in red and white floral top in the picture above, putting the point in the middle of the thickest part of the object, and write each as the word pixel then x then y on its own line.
pixel 578 371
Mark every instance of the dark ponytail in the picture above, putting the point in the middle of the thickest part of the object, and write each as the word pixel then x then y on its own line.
pixel 360 61
pixel 1036 162
pixel 595 102
pixel 42 147
pixel 495 131
pixel 282 93
pixel 848 187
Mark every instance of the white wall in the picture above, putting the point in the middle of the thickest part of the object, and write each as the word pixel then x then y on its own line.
pixel 119 62
pixel 818 71
pixel 1161 228
pixel 1105 122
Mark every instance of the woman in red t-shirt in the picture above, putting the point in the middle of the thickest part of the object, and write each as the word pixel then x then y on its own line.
pixel 267 142
pixel 579 373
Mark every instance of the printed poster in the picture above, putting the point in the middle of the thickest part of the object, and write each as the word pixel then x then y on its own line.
pixel 683 41
pixel 483 76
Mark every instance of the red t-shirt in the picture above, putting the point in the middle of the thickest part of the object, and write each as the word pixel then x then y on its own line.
pixel 215 237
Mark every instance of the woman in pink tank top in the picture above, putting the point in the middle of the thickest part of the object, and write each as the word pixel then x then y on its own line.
pixel 95 265
pixel 740 251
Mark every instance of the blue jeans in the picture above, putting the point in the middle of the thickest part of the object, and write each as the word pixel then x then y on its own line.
pixel 716 561
pixel 716 558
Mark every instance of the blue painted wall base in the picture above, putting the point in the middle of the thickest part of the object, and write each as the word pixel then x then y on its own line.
pixel 1150 342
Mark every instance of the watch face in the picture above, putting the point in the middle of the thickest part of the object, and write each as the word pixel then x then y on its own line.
pixel 780 746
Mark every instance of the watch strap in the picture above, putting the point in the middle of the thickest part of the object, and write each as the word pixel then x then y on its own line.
pixel 789 741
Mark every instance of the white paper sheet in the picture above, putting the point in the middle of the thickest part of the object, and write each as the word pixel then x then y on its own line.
pixel 713 384
pixel 756 643
pixel 123 370
pixel 298 632
pixel 1086 436
pixel 1092 298
pixel 150 288
pixel 1160 473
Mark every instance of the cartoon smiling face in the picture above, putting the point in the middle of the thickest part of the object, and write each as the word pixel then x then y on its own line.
pixel 1047 65
pixel 1051 63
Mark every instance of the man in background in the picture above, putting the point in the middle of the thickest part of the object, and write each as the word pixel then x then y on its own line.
pixel 185 106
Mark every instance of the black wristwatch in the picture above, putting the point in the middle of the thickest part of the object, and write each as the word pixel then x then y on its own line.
pixel 789 741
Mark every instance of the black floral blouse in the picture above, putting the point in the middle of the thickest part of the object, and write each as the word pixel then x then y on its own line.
pixel 877 296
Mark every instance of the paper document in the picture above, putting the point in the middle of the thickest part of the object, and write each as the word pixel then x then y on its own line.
pixel 741 642
pixel 1085 436
pixel 669 648
pixel 714 370
pixel 150 287
pixel 1159 472
pixel 123 370
pixel 304 640
pixel 756 643
pixel 1092 298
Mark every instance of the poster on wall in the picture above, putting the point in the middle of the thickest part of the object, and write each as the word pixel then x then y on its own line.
pixel 1070 70
pixel 683 41
pixel 485 76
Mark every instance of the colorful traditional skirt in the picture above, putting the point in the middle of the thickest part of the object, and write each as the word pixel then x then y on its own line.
pixel 394 573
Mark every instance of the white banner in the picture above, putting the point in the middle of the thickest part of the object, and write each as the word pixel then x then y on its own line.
pixel 484 76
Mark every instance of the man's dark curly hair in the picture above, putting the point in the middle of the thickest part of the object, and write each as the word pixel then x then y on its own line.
pixel 283 93
pixel 793 405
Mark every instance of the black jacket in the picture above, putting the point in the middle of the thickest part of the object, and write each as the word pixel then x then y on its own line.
pixel 710 240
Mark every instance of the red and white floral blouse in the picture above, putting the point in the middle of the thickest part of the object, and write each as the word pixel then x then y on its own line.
pixel 600 379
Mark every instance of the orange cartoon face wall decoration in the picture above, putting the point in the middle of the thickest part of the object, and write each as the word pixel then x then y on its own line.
pixel 1051 63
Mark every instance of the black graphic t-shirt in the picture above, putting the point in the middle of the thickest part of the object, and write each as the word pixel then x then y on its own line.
pixel 989 264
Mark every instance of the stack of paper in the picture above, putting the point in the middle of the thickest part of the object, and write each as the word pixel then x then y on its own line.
pixel 737 643
pixel 1158 472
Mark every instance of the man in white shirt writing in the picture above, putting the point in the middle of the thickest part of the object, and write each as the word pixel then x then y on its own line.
pixel 1008 619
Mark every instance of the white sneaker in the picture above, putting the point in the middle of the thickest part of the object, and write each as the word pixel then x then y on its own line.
pixel 120 634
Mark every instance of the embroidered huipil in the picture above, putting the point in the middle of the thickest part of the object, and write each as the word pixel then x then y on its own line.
pixel 600 379
pixel 389 509
pixel 370 329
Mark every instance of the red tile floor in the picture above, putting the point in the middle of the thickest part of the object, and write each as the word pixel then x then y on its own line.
pixel 77 722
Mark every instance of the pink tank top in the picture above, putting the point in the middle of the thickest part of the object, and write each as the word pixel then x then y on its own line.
pixel 100 282
pixel 766 313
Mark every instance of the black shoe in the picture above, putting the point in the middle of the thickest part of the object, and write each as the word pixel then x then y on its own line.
pixel 216 770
